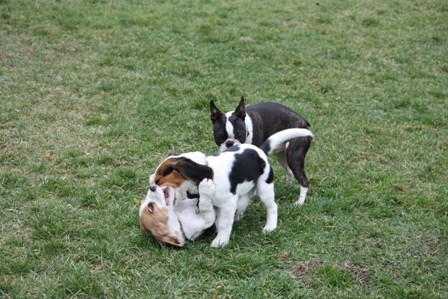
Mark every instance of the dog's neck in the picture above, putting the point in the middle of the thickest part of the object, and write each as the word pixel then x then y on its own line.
pixel 174 222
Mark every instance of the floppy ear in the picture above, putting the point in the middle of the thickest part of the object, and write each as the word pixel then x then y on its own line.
pixel 194 171
pixel 240 110
pixel 215 114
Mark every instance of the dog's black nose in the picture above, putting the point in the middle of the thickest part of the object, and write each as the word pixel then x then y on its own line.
pixel 229 143
pixel 152 188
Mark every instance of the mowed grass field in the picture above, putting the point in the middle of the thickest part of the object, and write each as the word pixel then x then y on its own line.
pixel 94 94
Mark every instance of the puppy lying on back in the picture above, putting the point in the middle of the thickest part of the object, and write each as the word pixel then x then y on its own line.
pixel 174 220
pixel 237 172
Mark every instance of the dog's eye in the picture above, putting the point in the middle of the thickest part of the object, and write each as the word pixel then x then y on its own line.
pixel 152 188
pixel 151 207
pixel 168 171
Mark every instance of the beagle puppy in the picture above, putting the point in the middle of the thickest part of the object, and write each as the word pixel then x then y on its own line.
pixel 238 173
pixel 174 221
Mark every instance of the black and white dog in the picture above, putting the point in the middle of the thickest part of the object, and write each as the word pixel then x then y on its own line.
pixel 237 172
pixel 254 124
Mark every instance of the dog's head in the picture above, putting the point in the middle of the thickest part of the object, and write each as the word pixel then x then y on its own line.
pixel 174 178
pixel 157 216
pixel 229 129
pixel 183 172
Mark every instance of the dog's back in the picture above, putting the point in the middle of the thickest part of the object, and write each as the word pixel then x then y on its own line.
pixel 275 117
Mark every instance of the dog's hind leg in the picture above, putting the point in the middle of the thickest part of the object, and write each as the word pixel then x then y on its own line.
pixel 243 202
pixel 295 155
pixel 267 195
pixel 281 157
pixel 224 222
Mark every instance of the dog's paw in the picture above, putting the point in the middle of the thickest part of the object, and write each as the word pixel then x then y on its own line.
pixel 267 229
pixel 303 192
pixel 217 242
pixel 207 187
pixel 299 203
pixel 238 216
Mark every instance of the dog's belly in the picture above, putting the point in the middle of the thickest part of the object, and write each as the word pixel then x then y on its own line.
pixel 192 224
pixel 224 196
pixel 244 188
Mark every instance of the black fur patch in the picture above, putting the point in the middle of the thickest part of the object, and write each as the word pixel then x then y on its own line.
pixel 239 127
pixel 247 167
pixel 270 178
pixel 266 147
pixel 219 131
pixel 192 195
pixel 193 171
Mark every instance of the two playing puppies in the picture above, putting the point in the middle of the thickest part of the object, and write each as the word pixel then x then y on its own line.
pixel 192 191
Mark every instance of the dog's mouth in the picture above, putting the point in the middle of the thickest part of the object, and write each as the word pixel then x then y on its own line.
pixel 168 193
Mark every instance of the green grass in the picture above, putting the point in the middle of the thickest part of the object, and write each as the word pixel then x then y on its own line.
pixel 95 93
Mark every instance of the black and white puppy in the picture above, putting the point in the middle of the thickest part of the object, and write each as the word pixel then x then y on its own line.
pixel 254 124
pixel 238 172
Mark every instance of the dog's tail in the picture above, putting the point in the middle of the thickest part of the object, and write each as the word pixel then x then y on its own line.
pixel 278 138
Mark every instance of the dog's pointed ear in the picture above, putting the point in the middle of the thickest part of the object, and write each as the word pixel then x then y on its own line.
pixel 194 171
pixel 240 110
pixel 215 114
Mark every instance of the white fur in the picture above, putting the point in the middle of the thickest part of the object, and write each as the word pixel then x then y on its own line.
pixel 303 192
pixel 229 127
pixel 249 129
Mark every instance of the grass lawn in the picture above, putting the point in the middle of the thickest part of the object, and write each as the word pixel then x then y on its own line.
pixel 93 94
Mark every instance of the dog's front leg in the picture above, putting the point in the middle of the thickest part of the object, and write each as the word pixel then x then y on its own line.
pixel 206 210
pixel 224 222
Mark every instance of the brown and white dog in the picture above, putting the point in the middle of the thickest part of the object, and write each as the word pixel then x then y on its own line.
pixel 175 221
pixel 238 172
pixel 254 124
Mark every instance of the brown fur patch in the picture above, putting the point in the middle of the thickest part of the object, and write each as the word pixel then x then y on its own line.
pixel 176 170
pixel 156 223
pixel 167 175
